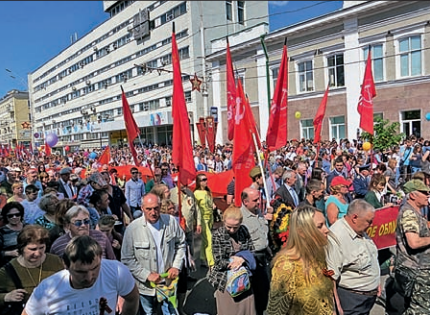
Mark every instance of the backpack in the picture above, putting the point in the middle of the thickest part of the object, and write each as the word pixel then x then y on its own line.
pixel 237 281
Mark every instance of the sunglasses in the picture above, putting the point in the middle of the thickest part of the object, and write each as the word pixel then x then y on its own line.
pixel 31 192
pixel 134 173
pixel 79 223
pixel 13 215
pixel 203 179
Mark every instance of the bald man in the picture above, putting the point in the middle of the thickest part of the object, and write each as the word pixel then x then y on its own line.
pixel 153 244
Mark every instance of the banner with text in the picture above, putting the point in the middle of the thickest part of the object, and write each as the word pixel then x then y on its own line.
pixel 383 228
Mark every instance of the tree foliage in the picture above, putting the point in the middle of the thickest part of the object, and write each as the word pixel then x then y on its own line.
pixel 387 134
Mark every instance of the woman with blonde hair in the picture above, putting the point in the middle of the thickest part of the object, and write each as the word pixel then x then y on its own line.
pixel 161 190
pixel 17 190
pixel 230 239
pixel 300 281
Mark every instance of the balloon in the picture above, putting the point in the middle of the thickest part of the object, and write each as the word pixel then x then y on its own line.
pixel 93 155
pixel 51 139
pixel 67 148
pixel 428 116
pixel 366 146
pixel 298 115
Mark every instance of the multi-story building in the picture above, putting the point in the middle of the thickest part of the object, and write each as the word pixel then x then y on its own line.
pixel 15 119
pixel 77 94
pixel 332 50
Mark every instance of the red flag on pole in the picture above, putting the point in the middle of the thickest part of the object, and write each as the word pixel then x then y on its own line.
pixel 182 154
pixel 210 133
pixel 130 126
pixel 231 94
pixel 47 149
pixel 105 156
pixel 277 131
pixel 243 149
pixel 201 128
pixel 365 103
pixel 318 120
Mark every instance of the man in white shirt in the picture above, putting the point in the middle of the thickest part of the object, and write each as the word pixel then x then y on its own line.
pixel 88 285
pixel 153 244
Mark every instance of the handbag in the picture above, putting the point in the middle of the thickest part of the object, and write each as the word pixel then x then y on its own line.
pixel 238 281
pixel 12 308
pixel 404 282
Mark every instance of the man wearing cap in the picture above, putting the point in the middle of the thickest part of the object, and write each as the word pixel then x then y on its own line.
pixel 65 185
pixel 361 181
pixel 353 256
pixel 413 248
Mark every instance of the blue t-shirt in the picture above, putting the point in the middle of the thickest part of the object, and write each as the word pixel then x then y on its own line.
pixel 343 208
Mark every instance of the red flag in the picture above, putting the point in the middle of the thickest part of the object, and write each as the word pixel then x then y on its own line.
pixel 277 131
pixel 210 133
pixel 365 103
pixel 130 126
pixel 47 150
pixel 231 94
pixel 201 128
pixel 318 120
pixel 182 154
pixel 243 148
pixel 105 156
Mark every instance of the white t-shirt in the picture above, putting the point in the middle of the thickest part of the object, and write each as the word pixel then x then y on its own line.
pixel 54 295
pixel 155 231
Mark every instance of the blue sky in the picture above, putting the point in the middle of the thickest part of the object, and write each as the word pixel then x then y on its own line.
pixel 33 32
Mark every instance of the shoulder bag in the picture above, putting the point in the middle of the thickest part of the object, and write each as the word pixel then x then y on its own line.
pixel 13 308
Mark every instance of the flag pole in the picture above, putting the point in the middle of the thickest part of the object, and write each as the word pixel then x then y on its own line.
pixel 262 171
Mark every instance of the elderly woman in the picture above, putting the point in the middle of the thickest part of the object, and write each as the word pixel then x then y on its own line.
pixel 13 214
pixel 336 204
pixel 18 192
pixel 227 242
pixel 48 203
pixel 31 266
pixel 300 282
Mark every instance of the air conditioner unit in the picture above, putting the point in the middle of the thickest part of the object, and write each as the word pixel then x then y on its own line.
pixel 169 17
pixel 81 64
pixel 107 49
pixel 114 46
pixel 95 48
pixel 74 88
pixel 88 82
pixel 84 112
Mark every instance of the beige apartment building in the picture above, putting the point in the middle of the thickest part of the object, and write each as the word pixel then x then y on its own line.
pixel 332 49
pixel 15 119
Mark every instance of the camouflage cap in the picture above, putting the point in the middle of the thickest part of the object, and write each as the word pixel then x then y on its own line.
pixel 414 185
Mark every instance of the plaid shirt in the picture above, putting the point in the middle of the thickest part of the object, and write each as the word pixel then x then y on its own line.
pixel 222 250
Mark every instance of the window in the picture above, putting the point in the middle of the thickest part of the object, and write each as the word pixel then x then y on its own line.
pixel 241 12
pixel 337 127
pixel 275 73
pixel 168 101
pixel 307 130
pixel 229 10
pixel 411 123
pixel 377 61
pixel 306 76
pixel 188 98
pixel 410 56
pixel 336 70
pixel 119 111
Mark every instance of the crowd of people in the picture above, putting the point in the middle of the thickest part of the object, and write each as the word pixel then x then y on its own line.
pixel 76 236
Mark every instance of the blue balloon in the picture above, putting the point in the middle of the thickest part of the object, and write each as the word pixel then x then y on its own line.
pixel 93 155
pixel 428 116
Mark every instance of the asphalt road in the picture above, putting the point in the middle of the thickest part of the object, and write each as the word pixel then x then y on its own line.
pixel 200 295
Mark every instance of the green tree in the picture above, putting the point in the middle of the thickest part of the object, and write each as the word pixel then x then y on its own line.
pixel 387 134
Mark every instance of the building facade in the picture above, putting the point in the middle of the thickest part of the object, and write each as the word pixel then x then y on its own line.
pixel 77 94
pixel 332 50
pixel 15 120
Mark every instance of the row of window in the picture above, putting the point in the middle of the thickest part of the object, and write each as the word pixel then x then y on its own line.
pixel 410 124
pixel 409 61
